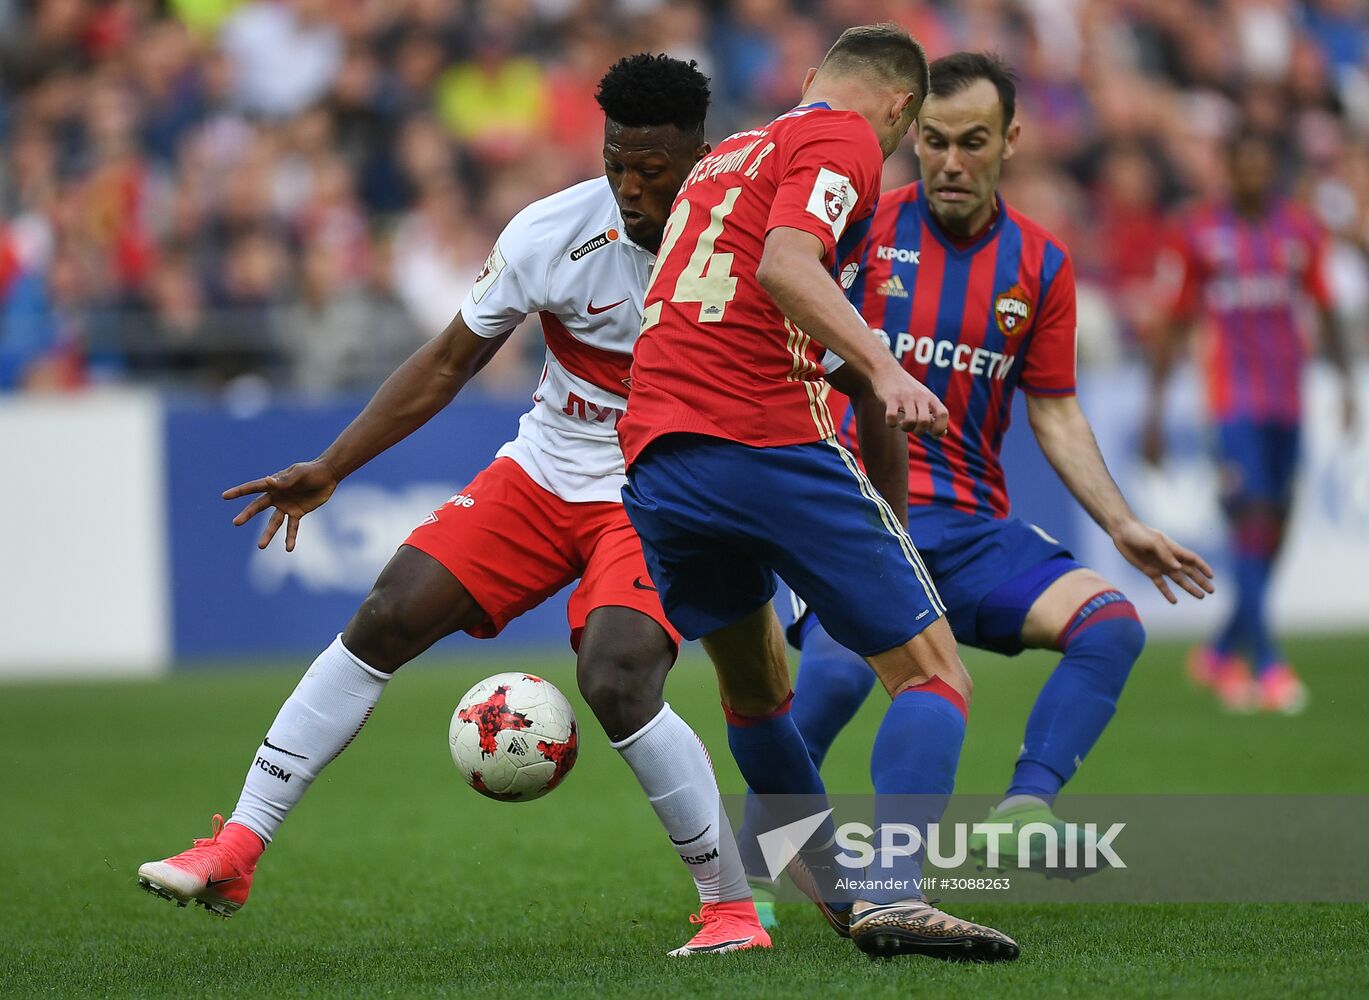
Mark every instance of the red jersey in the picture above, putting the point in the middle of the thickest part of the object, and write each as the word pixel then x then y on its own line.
pixel 716 356
pixel 971 323
pixel 1246 277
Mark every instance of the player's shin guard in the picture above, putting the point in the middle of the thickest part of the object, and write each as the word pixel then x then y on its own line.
pixel 774 761
pixel 674 770
pixel 321 717
pixel 833 683
pixel 788 790
pixel 1101 643
pixel 912 766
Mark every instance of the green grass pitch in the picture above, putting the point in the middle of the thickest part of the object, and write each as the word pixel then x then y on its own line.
pixel 395 879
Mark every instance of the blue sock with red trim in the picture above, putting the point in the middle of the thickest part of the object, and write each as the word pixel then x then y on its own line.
pixel 774 762
pixel 833 683
pixel 771 753
pixel 1248 629
pixel 1101 643
pixel 912 766
pixel 1256 544
pixel 1256 535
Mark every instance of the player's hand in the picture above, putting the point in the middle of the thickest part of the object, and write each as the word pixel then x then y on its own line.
pixel 1153 441
pixel 294 492
pixel 908 404
pixel 1162 559
pixel 1349 411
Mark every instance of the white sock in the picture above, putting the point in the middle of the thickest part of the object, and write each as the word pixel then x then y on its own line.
pixel 317 722
pixel 674 770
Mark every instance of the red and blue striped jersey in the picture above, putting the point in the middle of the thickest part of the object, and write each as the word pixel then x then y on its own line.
pixel 971 322
pixel 1245 277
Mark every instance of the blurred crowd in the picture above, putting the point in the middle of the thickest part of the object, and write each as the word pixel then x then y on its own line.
pixel 299 192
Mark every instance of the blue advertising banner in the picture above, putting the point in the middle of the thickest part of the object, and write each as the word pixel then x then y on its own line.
pixel 230 600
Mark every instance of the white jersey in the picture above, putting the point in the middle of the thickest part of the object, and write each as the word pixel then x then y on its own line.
pixel 568 259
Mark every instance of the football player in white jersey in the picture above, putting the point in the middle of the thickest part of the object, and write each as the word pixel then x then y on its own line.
pixel 546 512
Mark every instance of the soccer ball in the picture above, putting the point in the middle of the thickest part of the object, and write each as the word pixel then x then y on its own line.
pixel 513 737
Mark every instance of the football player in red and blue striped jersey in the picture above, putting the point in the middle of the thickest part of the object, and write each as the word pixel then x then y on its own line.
pixel 977 300
pixel 1246 265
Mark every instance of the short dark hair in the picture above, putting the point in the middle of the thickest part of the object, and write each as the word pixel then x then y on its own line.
pixel 643 90
pixel 1245 135
pixel 884 49
pixel 953 73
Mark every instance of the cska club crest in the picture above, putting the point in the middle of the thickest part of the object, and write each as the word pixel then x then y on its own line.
pixel 1012 310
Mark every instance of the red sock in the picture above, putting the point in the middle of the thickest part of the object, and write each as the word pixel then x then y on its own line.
pixel 243 842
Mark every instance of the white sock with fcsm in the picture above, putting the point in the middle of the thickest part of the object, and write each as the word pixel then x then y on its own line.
pixel 317 722
pixel 674 770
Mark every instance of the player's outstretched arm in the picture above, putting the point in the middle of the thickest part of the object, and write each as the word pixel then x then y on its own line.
pixel 1177 284
pixel 792 273
pixel 418 389
pixel 1068 443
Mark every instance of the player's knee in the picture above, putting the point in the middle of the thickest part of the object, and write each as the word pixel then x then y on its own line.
pixel 1109 631
pixel 381 633
pixel 963 682
pixel 602 681
pixel 622 687
pixel 1258 529
pixel 947 666
pixel 1131 635
pixel 848 691
pixel 1122 640
pixel 842 677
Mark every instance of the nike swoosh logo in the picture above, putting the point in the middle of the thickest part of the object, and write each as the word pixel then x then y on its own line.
pixel 691 840
pixel 645 586
pixel 596 310
pixel 722 945
pixel 271 746
pixel 208 882
pixel 878 911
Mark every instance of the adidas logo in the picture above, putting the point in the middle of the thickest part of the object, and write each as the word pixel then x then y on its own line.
pixel 893 288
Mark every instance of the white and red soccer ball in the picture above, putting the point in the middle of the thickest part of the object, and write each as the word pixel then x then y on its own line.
pixel 513 737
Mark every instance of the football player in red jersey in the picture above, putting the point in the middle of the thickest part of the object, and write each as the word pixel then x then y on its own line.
pixel 545 513
pixel 977 300
pixel 734 471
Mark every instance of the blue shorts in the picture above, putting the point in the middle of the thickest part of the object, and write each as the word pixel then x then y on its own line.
pixel 988 570
pixel 719 519
pixel 1259 462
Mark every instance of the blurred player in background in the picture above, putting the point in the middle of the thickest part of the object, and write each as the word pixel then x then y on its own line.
pixel 734 471
pixel 1244 267
pixel 547 512
pixel 976 300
